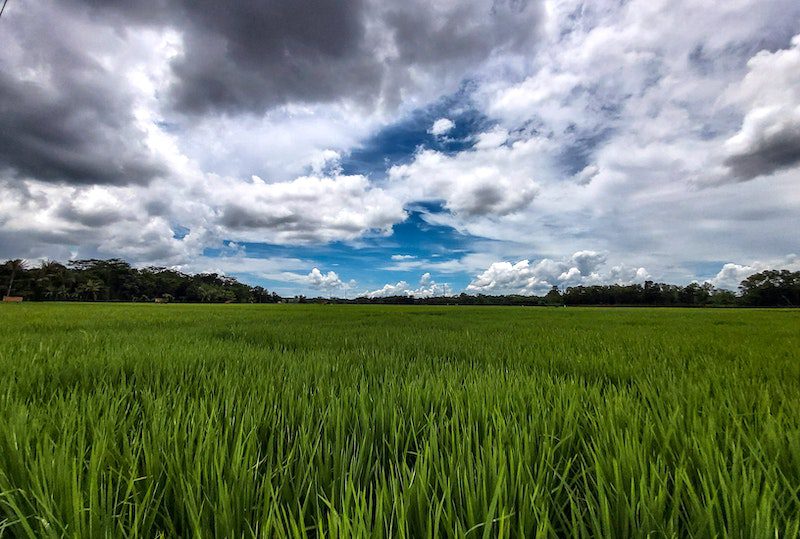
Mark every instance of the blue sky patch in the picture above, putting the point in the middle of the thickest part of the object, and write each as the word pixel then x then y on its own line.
pixel 369 261
pixel 396 143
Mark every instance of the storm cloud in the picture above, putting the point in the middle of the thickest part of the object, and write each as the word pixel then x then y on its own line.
pixel 64 114
pixel 250 55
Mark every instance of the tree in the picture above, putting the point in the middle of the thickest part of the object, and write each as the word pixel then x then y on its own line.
pixel 15 266
pixel 723 298
pixel 91 287
pixel 553 297
pixel 51 280
pixel 695 294
pixel 771 288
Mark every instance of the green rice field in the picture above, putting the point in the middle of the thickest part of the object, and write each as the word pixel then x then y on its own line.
pixel 125 420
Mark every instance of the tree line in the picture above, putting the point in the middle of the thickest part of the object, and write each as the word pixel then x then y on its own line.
pixel 116 280
pixel 770 288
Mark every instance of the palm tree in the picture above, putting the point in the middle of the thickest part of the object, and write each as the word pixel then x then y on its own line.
pixel 92 286
pixel 52 278
pixel 15 266
pixel 51 268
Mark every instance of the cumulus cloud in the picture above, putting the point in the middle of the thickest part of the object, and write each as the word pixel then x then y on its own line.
pixel 732 274
pixel 441 127
pixel 315 281
pixel 65 221
pixel 426 288
pixel 488 180
pixel 307 209
pixel 526 277
pixel 587 174
pixel 769 139
pixel 625 102
pixel 324 281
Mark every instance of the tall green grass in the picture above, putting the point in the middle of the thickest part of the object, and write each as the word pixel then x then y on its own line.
pixel 346 421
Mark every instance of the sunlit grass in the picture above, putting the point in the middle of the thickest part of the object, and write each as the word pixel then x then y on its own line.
pixel 346 421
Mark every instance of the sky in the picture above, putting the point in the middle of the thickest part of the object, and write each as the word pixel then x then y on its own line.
pixel 367 147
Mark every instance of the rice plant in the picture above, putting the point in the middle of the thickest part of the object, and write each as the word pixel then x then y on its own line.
pixel 368 421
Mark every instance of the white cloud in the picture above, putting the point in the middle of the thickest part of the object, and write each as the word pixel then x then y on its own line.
pixel 469 263
pixel 426 288
pixel 769 139
pixel 441 127
pixel 277 146
pixel 238 262
pixel 732 274
pixel 624 100
pixel 526 277
pixel 491 139
pixel 314 282
pixel 587 174
pixel 307 209
pixel 489 180
pixel 324 281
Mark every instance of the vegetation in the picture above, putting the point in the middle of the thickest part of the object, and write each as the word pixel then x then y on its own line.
pixel 362 421
pixel 116 280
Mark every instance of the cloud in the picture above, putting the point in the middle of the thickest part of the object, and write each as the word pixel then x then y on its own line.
pixel 93 207
pixel 252 56
pixel 491 179
pixel 587 174
pixel 307 209
pixel 426 288
pixel 62 222
pixel 159 130
pixel 66 112
pixel 324 281
pixel 769 139
pixel 314 282
pixel 526 277
pixel 732 274
pixel 236 261
pixel 441 127
pixel 624 114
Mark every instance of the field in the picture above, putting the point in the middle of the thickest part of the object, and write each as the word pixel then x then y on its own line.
pixel 348 421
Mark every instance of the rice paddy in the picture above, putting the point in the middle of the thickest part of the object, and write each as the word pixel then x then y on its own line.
pixel 125 420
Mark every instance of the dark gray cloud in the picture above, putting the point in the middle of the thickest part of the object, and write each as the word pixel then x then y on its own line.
pixel 64 117
pixel 771 153
pixel 91 217
pixel 69 135
pixel 248 56
pixel 237 217
pixel 426 34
